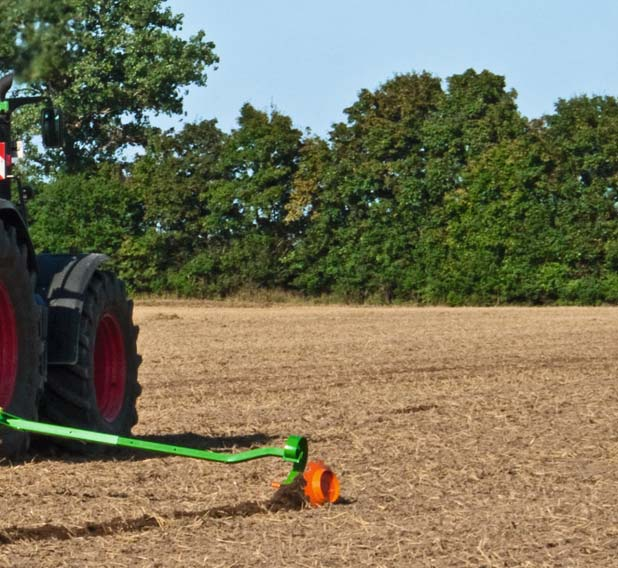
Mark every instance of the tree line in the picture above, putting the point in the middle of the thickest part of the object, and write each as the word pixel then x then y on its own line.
pixel 430 190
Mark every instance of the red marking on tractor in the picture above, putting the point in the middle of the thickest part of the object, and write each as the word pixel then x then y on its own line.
pixel 109 367
pixel 3 161
pixel 8 347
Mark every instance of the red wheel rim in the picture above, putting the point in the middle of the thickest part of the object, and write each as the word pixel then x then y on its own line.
pixel 8 347
pixel 109 367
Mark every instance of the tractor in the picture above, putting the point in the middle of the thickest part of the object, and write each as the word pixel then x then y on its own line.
pixel 68 350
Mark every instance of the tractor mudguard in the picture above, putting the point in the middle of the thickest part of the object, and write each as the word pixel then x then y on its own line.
pixel 10 215
pixel 63 280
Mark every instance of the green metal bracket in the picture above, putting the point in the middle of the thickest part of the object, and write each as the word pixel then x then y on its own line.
pixel 295 450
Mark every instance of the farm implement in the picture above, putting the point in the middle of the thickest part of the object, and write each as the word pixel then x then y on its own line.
pixel 320 483
pixel 68 344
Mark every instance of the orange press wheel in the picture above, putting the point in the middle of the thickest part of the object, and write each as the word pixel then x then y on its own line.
pixel 322 485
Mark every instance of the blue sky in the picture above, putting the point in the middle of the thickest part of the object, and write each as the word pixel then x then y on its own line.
pixel 310 59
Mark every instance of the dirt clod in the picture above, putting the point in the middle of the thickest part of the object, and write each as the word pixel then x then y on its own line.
pixel 289 497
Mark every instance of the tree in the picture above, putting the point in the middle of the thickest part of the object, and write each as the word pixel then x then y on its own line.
pixel 501 238
pixel 173 179
pixel 215 205
pixel 359 237
pixel 476 113
pixel 247 232
pixel 582 137
pixel 109 64
pixel 262 156
pixel 86 212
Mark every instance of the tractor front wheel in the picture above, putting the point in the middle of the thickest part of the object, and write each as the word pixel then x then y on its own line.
pixel 20 341
pixel 100 391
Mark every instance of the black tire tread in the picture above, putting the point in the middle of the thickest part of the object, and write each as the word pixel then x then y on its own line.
pixel 69 396
pixel 30 380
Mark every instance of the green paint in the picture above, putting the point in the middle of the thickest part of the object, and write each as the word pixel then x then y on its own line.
pixel 4 106
pixel 295 450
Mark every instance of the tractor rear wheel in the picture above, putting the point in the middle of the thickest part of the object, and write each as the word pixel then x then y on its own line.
pixel 100 391
pixel 21 345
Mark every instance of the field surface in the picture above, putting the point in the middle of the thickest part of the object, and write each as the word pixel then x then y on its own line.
pixel 462 437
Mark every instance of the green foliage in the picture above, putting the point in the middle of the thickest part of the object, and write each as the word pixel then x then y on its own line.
pixel 422 194
pixel 357 242
pixel 214 206
pixel 247 232
pixel 174 179
pixel 582 134
pixel 86 212
pixel 501 233
pixel 106 64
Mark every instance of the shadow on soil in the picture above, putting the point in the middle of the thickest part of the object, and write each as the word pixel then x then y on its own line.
pixel 286 498
pixel 43 448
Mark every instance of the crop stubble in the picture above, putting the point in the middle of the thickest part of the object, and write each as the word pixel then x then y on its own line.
pixel 462 437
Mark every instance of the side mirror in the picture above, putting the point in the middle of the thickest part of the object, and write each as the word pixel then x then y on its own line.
pixel 52 128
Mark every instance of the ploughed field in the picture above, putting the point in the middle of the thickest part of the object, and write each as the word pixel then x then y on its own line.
pixel 462 437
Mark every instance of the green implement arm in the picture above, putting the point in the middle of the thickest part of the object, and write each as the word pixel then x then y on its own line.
pixel 295 450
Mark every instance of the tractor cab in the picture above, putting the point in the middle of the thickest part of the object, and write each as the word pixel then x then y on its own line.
pixel 52 130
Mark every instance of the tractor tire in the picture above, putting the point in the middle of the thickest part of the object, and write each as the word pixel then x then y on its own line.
pixel 21 344
pixel 100 391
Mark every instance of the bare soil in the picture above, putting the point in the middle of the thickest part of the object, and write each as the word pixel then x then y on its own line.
pixel 462 437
